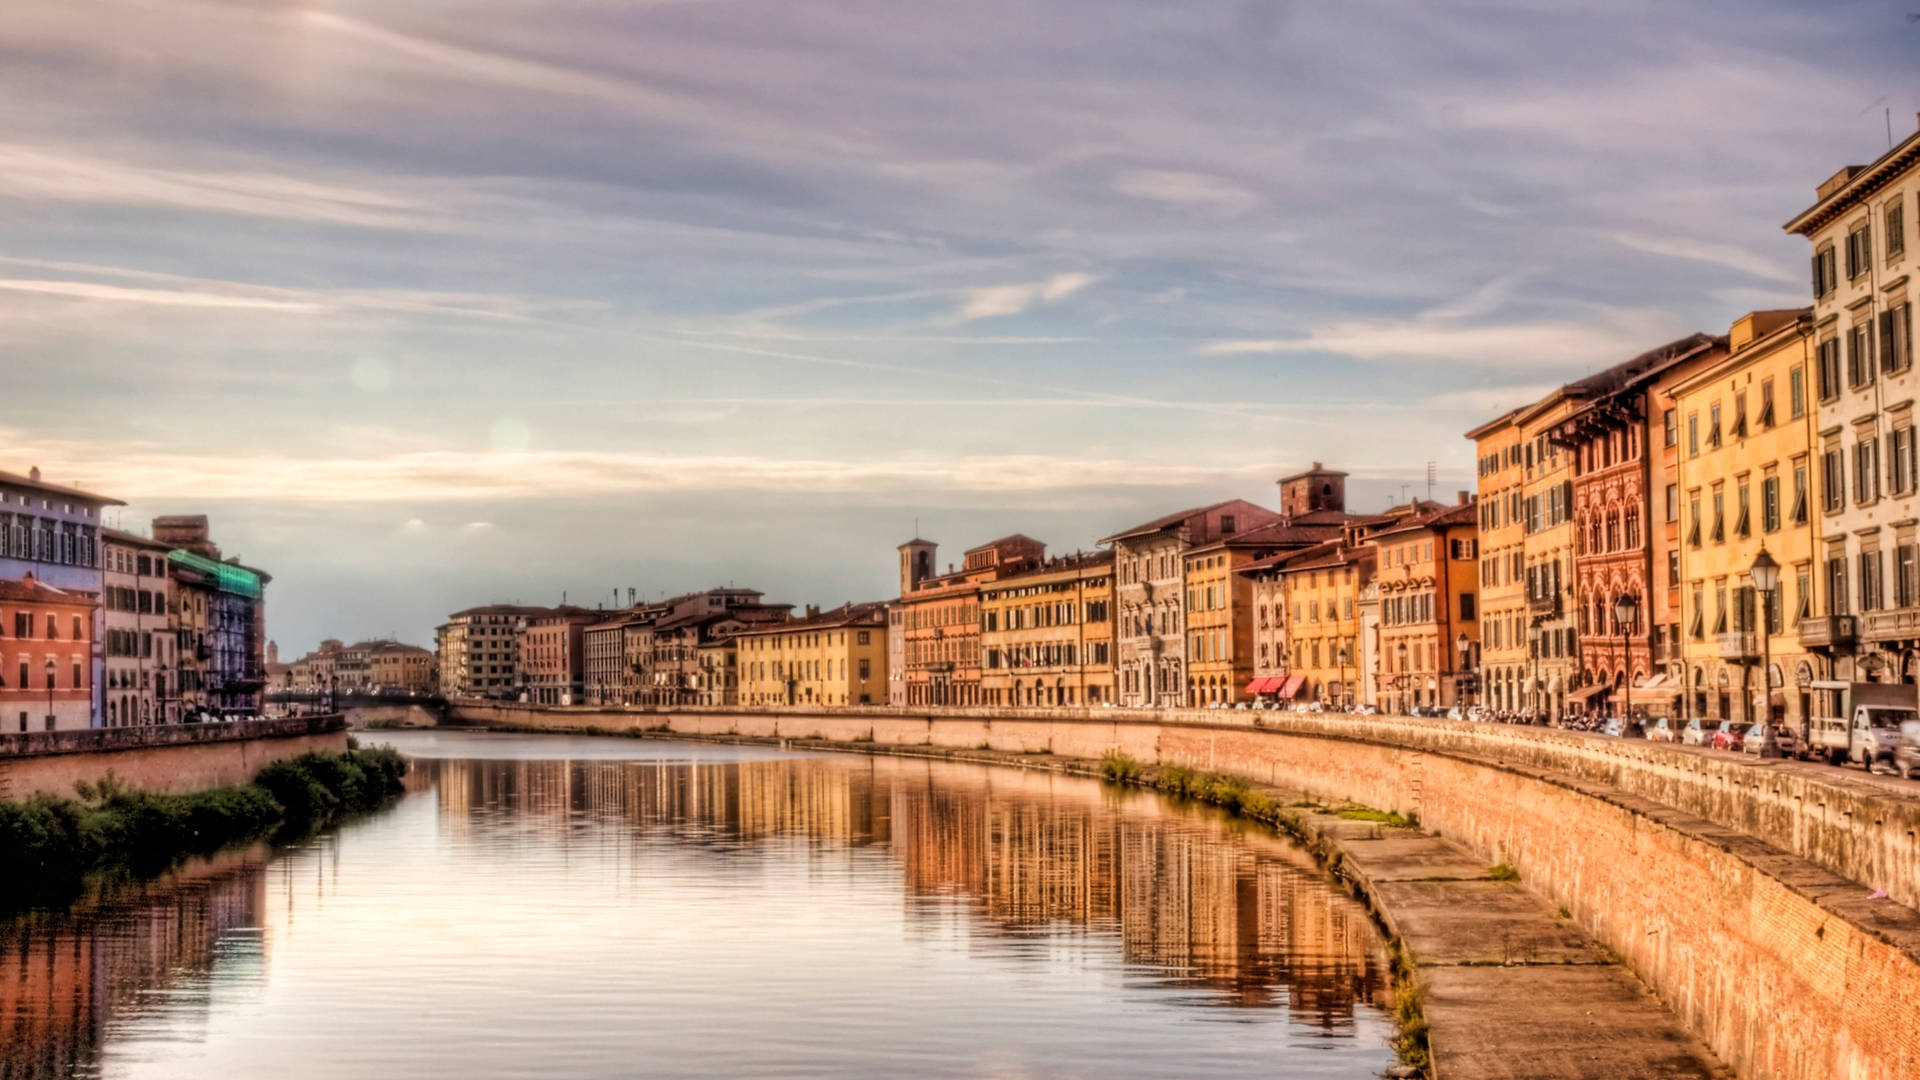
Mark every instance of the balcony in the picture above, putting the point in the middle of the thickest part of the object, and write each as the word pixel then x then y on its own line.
pixel 1740 645
pixel 1899 624
pixel 1544 607
pixel 1828 631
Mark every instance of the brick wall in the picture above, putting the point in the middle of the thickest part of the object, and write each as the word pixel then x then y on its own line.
pixel 163 758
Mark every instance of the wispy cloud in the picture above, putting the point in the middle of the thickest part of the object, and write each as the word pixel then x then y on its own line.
pixel 1569 345
pixel 999 301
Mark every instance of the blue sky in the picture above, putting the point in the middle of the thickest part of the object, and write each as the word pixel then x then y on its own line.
pixel 436 303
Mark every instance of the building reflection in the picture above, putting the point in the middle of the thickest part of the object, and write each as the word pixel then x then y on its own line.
pixel 1193 898
pixel 67 978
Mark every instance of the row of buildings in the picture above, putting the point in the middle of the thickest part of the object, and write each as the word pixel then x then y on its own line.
pixel 102 627
pixel 1723 526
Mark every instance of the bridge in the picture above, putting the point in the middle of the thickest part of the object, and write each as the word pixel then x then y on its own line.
pixel 1769 905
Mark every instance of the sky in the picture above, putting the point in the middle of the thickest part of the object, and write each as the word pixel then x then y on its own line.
pixel 442 303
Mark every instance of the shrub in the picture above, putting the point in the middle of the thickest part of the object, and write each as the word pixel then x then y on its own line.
pixel 1503 872
pixel 1119 768
pixel 50 844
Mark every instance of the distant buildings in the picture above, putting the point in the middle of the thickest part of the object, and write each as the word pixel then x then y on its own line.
pixel 837 657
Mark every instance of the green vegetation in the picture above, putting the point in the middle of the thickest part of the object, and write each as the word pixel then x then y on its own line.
pixel 1503 872
pixel 1409 1008
pixel 1230 792
pixel 51 845
pixel 1119 768
pixel 1393 819
pixel 864 737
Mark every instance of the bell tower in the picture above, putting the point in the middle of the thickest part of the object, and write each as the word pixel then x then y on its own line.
pixel 916 563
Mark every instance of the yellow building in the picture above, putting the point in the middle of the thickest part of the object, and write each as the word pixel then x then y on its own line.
pixel 1046 635
pixel 1749 425
pixel 1504 664
pixel 394 666
pixel 1546 500
pixel 1321 587
pixel 837 657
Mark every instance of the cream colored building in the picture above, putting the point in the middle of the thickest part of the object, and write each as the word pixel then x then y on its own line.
pixel 1505 664
pixel 1862 230
pixel 1546 499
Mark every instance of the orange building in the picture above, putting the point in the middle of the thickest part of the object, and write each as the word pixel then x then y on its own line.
pixel 552 660
pixel 46 658
pixel 1046 634
pixel 1428 575
pixel 940 615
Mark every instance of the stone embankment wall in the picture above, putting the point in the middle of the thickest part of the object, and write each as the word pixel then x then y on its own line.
pixel 171 758
pixel 1737 889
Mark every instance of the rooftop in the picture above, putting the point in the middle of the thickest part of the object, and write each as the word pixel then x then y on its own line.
pixel 871 614
pixel 32 481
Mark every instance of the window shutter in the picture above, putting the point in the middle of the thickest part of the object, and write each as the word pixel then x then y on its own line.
pixel 1817 293
pixel 1887 361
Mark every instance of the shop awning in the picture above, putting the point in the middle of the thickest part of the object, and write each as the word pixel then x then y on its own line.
pixel 1292 685
pixel 1587 692
pixel 1260 686
pixel 1272 685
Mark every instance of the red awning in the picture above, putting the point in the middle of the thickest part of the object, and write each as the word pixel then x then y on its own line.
pixel 1257 685
pixel 1292 685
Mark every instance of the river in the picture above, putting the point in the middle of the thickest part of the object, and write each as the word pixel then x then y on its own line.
pixel 545 906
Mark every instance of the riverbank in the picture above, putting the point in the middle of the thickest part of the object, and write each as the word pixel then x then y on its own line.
pixel 50 846
pixel 1492 981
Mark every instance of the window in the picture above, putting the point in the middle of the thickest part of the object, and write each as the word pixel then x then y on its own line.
pixel 1833 481
pixel 1900 461
pixel 1770 503
pixel 1797 392
pixel 1824 277
pixel 1693 520
pixel 1895 223
pixel 1673 568
pixel 1859 250
pixel 1740 415
pixel 1743 525
pixel 1827 356
pixel 1765 419
pixel 1693 434
pixel 1713 425
pixel 1904 580
pixel 1866 472
pixel 1799 493
pixel 1860 355
pixel 1672 422
pixel 1719 516
pixel 1673 502
pixel 1836 582
pixel 1896 338
pixel 1870 581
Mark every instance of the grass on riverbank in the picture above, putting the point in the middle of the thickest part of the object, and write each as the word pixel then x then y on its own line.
pixel 50 845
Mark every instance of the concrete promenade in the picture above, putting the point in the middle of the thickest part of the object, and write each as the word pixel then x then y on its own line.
pixel 1737 890
pixel 159 758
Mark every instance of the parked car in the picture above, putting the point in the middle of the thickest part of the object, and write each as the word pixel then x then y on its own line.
pixel 1906 756
pixel 1730 736
pixel 1613 728
pixel 1784 740
pixel 1662 730
pixel 1697 733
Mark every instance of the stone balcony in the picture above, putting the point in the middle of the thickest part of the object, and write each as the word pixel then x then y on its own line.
pixel 1899 624
pixel 1828 631
pixel 1740 645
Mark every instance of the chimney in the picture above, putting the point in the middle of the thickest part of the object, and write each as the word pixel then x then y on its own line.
pixel 33 474
pixel 1463 497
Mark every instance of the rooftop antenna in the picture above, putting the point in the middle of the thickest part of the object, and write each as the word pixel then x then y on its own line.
pixel 1889 111
pixel 1429 481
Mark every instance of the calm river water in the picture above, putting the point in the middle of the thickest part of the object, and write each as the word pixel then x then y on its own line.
pixel 561 907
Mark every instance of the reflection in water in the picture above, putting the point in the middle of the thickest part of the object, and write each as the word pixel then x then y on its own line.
pixel 731 914
pixel 131 955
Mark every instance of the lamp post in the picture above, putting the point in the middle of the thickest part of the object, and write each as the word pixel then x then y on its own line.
pixel 1400 650
pixel 1625 607
pixel 1465 649
pixel 1345 656
pixel 1764 576
pixel 51 669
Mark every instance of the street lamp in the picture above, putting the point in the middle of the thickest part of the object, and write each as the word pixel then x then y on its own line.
pixel 1401 651
pixel 51 668
pixel 1344 658
pixel 1465 649
pixel 1625 607
pixel 1764 576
